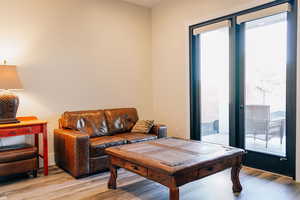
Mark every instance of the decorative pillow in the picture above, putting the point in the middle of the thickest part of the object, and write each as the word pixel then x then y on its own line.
pixel 143 126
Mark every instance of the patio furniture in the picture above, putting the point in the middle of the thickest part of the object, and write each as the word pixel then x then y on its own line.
pixel 258 123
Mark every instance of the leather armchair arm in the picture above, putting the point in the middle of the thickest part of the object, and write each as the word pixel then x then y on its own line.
pixel 160 130
pixel 72 151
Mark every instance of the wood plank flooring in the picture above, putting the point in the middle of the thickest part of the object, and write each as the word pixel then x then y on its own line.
pixel 258 185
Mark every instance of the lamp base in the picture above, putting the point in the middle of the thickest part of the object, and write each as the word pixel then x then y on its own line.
pixel 9 104
pixel 9 121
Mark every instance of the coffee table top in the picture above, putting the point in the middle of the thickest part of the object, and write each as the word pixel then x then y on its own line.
pixel 171 155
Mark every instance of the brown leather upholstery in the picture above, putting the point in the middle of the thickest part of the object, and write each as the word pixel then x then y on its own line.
pixel 17 167
pixel 90 122
pixel 80 154
pixel 136 137
pixel 14 147
pixel 98 164
pixel 121 120
pixel 98 145
pixel 18 159
pixel 72 151
pixel 18 154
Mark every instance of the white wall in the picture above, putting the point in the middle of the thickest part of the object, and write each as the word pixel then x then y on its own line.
pixel 78 54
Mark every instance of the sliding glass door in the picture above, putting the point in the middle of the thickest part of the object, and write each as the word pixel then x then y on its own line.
pixel 243 84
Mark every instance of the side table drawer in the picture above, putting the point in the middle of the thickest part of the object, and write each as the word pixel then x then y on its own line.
pixel 20 131
pixel 136 168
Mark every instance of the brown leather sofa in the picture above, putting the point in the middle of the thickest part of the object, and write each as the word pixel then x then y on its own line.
pixel 82 137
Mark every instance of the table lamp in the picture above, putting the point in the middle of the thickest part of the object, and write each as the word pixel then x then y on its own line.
pixel 9 102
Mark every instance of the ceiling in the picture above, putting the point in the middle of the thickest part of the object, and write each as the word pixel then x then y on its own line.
pixel 146 3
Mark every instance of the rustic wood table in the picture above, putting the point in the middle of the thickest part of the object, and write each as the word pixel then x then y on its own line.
pixel 29 126
pixel 174 162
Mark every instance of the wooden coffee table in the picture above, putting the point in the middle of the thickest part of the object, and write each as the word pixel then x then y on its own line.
pixel 174 162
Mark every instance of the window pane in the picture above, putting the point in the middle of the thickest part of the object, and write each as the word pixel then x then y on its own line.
pixel 265 89
pixel 214 56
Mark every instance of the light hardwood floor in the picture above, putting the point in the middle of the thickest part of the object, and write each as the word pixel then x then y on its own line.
pixel 258 185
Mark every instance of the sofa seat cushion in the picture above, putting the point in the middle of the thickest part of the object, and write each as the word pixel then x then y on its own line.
pixel 17 153
pixel 99 144
pixel 136 137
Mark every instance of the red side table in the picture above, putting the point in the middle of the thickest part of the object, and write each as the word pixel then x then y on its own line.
pixel 29 126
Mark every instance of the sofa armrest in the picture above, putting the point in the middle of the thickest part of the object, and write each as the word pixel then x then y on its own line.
pixel 160 130
pixel 72 151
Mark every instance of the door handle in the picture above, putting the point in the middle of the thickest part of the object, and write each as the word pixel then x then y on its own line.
pixel 241 106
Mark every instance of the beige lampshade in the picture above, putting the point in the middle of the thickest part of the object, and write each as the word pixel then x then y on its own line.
pixel 9 78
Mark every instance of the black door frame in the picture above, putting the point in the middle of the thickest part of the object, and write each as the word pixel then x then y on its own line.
pixel 236 100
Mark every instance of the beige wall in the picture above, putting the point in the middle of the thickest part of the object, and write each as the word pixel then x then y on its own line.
pixel 78 54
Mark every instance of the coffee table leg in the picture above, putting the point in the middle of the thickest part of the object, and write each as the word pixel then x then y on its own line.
pixel 112 183
pixel 174 193
pixel 235 171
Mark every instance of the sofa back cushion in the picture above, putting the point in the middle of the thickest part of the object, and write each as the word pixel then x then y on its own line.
pixel 92 122
pixel 121 120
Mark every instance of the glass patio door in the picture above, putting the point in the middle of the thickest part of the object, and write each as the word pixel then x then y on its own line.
pixel 265 85
pixel 264 90
pixel 243 84
pixel 213 41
